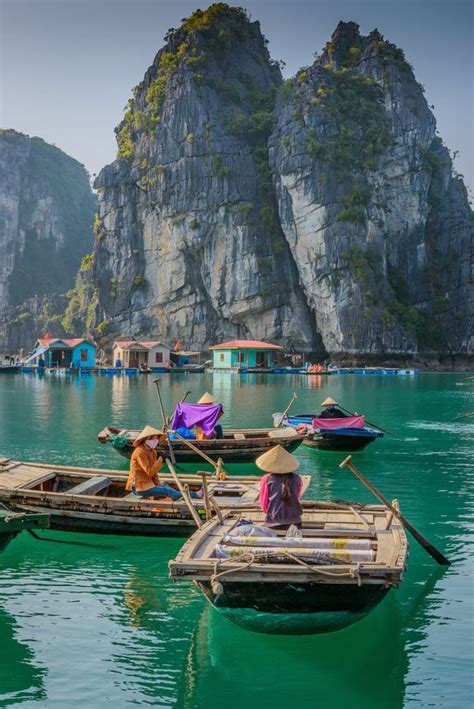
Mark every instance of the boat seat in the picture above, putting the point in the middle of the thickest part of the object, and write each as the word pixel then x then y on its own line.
pixel 239 436
pixel 91 486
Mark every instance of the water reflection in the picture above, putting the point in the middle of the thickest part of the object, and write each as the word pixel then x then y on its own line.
pixel 20 678
pixel 331 670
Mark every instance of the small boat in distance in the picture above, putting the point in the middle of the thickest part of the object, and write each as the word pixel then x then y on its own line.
pixel 342 563
pixel 95 500
pixel 332 429
pixel 240 445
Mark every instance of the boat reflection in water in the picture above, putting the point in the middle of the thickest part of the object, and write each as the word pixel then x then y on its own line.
pixel 344 668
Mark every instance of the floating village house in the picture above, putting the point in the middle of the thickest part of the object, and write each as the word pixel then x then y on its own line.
pixel 134 353
pixel 244 354
pixel 54 352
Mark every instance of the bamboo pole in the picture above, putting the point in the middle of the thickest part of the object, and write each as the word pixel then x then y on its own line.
pixel 198 451
pixel 185 494
pixel 432 551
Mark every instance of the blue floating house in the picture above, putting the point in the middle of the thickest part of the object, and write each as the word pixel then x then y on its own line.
pixel 76 353
pixel 244 355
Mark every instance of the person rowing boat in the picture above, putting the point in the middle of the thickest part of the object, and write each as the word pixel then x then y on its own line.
pixel 331 410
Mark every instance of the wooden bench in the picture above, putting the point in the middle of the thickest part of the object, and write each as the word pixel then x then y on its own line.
pixel 239 436
pixel 91 486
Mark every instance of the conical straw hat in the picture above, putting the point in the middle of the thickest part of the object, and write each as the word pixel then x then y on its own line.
pixel 277 460
pixel 329 402
pixel 147 432
pixel 206 399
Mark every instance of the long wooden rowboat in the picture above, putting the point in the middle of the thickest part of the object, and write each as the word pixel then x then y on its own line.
pixel 337 439
pixel 346 561
pixel 241 445
pixel 12 523
pixel 95 500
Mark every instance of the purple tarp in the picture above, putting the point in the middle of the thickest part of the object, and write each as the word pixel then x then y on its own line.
pixel 203 415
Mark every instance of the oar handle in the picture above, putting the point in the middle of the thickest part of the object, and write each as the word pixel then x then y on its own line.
pixel 425 543
pixel 282 417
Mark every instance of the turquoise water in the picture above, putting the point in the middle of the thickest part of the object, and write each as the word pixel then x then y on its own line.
pixel 95 621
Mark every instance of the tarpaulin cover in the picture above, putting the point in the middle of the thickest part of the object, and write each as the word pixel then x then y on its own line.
pixel 39 352
pixel 330 424
pixel 203 415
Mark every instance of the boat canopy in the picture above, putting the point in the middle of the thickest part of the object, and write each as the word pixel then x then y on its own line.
pixel 203 415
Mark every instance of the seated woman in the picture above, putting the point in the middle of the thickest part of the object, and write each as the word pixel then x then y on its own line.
pixel 280 489
pixel 145 463
pixel 218 430
pixel 331 410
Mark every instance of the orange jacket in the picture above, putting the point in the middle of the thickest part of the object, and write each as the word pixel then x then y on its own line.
pixel 144 466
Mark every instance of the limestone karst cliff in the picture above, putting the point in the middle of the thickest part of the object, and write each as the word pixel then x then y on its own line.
pixel 322 211
pixel 379 228
pixel 46 213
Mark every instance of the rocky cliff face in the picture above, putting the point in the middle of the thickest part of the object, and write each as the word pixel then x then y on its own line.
pixel 380 230
pixel 46 213
pixel 321 212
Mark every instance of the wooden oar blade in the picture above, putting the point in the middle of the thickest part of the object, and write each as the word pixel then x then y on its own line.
pixel 429 548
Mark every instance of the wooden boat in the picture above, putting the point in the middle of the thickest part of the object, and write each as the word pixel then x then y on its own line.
pixel 345 438
pixel 12 523
pixel 9 368
pixel 188 369
pixel 345 563
pixel 242 445
pixel 95 500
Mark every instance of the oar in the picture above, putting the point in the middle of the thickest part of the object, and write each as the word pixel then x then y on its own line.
pixel 215 465
pixel 185 494
pixel 209 499
pixel 463 416
pixel 432 551
pixel 165 423
pixel 185 397
pixel 374 425
pixel 293 398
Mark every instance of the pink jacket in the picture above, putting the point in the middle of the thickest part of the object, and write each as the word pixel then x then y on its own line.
pixel 263 497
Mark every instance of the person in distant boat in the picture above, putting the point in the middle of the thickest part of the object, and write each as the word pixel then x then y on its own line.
pixel 331 410
pixel 280 488
pixel 145 464
pixel 218 430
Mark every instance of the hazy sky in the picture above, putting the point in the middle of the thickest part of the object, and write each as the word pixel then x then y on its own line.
pixel 68 66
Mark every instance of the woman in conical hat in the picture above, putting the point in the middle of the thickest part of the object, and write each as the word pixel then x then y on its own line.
pixel 280 488
pixel 207 399
pixel 331 410
pixel 145 463
pixel 218 432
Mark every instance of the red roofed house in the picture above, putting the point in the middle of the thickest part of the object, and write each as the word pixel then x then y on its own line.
pixel 64 352
pixel 134 353
pixel 244 354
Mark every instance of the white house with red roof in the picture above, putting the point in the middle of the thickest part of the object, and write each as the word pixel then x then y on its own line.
pixel 244 354
pixel 150 354
pixel 73 353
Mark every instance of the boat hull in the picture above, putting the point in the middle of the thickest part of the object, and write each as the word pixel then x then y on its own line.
pixel 331 442
pixel 121 525
pixel 230 450
pixel 12 523
pixel 289 608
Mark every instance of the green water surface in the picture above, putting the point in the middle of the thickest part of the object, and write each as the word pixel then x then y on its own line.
pixel 96 622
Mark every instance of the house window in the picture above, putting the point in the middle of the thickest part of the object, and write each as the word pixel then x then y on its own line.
pixel 158 357
pixel 221 357
pixel 84 355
